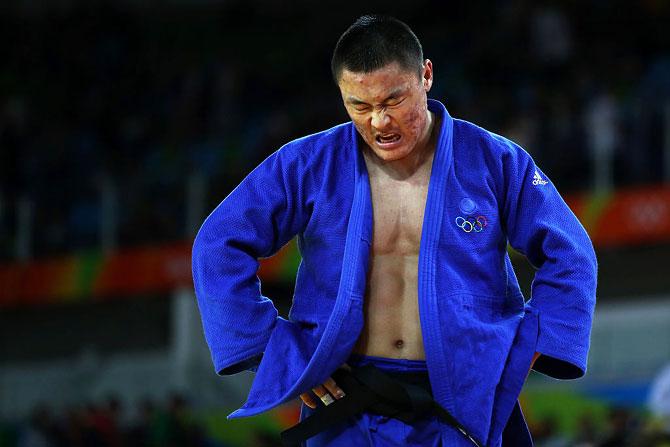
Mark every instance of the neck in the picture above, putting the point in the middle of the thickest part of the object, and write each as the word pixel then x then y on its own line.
pixel 419 157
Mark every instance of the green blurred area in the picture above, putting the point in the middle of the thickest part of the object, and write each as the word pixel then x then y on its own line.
pixel 239 432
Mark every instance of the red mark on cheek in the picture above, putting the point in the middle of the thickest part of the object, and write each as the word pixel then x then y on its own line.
pixel 413 121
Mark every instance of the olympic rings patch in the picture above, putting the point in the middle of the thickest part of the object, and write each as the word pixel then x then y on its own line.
pixel 470 223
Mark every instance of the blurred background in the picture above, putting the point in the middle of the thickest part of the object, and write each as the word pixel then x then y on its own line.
pixel 124 123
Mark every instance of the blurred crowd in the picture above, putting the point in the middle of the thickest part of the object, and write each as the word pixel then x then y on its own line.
pixel 106 424
pixel 623 428
pixel 175 424
pixel 123 116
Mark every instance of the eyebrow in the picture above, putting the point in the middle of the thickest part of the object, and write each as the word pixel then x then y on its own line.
pixel 394 94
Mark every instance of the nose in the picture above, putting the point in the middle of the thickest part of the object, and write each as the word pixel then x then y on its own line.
pixel 380 119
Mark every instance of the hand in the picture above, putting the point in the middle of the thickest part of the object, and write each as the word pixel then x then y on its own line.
pixel 327 392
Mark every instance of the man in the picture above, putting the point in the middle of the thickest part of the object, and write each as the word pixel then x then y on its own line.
pixel 402 216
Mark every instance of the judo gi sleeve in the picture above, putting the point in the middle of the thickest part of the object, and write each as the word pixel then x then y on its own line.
pixel 257 218
pixel 541 226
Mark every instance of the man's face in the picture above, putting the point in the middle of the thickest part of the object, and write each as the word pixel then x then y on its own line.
pixel 389 108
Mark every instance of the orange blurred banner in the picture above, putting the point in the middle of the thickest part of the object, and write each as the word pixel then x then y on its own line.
pixel 628 217
pixel 127 273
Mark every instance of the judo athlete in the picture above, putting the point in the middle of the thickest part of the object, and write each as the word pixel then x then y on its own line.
pixel 407 325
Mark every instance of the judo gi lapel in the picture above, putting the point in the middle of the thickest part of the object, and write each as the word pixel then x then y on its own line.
pixel 435 309
pixel 346 319
pixel 436 201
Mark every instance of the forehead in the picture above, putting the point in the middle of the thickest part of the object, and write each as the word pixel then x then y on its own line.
pixel 378 84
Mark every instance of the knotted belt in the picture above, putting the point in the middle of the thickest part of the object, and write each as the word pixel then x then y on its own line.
pixel 368 389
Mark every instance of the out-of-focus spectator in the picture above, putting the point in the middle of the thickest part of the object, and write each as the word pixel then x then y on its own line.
pixel 587 431
pixel 264 439
pixel 620 429
pixel 551 35
pixel 601 121
pixel 139 433
pixel 548 434
pixel 177 427
pixel 40 431
pixel 659 396
pixel 659 406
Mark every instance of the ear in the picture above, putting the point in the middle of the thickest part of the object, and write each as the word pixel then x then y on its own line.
pixel 427 76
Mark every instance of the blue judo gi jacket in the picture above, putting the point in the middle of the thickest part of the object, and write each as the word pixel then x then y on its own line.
pixel 479 332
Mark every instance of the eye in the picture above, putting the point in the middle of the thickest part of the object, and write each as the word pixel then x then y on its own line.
pixel 361 108
pixel 394 102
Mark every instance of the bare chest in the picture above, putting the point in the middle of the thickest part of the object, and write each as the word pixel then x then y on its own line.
pixel 398 209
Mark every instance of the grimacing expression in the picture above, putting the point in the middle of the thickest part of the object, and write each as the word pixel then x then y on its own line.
pixel 389 107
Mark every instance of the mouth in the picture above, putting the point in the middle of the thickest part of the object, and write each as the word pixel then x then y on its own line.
pixel 388 140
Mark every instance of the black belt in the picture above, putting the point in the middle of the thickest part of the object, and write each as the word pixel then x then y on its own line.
pixel 368 389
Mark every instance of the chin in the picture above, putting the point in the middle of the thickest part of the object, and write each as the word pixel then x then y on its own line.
pixel 390 156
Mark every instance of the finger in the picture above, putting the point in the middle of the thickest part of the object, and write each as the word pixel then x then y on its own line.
pixel 320 391
pixel 308 400
pixel 333 389
pixel 325 397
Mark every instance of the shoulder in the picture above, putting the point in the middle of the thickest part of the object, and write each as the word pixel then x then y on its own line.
pixel 317 155
pixel 498 161
pixel 318 145
pixel 473 141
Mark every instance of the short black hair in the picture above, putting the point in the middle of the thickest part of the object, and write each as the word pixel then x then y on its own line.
pixel 374 41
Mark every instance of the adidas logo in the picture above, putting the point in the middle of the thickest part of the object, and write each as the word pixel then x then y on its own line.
pixel 538 180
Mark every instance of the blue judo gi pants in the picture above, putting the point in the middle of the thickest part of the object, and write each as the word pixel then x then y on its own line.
pixel 373 430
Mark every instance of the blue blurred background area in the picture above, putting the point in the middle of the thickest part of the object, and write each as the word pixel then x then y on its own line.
pixel 123 124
